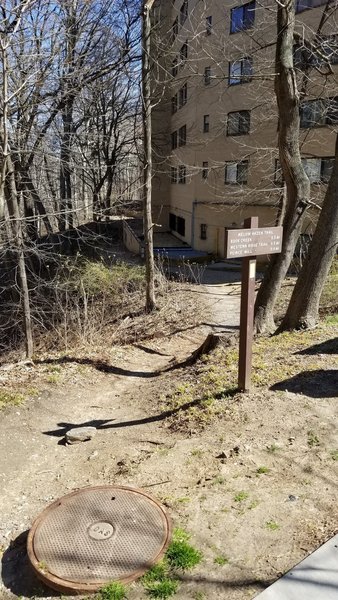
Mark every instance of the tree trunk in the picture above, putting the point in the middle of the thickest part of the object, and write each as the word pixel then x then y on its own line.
pixel 147 165
pixel 297 182
pixel 302 312
pixel 19 248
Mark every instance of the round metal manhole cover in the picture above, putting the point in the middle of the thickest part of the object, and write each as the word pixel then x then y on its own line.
pixel 96 535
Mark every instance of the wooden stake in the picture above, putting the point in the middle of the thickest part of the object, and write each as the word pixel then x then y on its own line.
pixel 247 315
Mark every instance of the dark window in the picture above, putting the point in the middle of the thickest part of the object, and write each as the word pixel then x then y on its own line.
pixel 206 124
pixel 174 67
pixel 174 140
pixel 182 174
pixel 322 111
pixel 183 95
pixel 180 226
pixel 326 169
pixel 203 231
pixel 174 29
pixel 184 52
pixel 321 52
pixel 312 113
pixel 305 4
pixel 172 221
pixel 174 104
pixel 242 17
pixel 184 12
pixel 205 170
pixel 318 169
pixel 208 25
pixel 207 75
pixel 332 111
pixel 177 224
pixel 182 135
pixel 236 172
pixel 238 122
pixel 173 174
pixel 240 71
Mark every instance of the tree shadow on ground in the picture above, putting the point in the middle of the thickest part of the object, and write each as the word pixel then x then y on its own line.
pixel 101 424
pixel 320 383
pixel 328 347
pixel 17 574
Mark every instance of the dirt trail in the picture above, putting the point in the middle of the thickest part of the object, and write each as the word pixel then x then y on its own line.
pixel 124 406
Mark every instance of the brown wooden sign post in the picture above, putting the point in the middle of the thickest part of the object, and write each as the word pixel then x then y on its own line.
pixel 247 244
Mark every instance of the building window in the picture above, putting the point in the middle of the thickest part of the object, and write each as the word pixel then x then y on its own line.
pixel 240 71
pixel 205 170
pixel 174 67
pixel 174 104
pixel 236 172
pixel 184 52
pixel 238 122
pixel 182 135
pixel 174 140
pixel 183 95
pixel 314 113
pixel 207 75
pixel 318 170
pixel 242 17
pixel 174 30
pixel 184 12
pixel 173 175
pixel 203 231
pixel 305 4
pixel 332 111
pixel 180 226
pixel 172 221
pixel 324 51
pixel 208 25
pixel 182 174
pixel 206 124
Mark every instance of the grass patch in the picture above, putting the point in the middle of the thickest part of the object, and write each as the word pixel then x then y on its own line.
pixel 221 560
pixel 312 439
pixel 161 580
pixel 272 525
pixel 272 448
pixel 10 399
pixel 262 470
pixel 334 454
pixel 112 591
pixel 241 496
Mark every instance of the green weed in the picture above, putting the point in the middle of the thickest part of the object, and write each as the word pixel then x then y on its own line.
pixel 221 560
pixel 334 454
pixel 10 399
pixel 272 525
pixel 241 496
pixel 182 556
pixel 113 591
pixel 262 470
pixel 312 439
pixel 163 589
pixel 272 448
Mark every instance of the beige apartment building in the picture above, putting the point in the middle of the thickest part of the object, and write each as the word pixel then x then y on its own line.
pixel 215 119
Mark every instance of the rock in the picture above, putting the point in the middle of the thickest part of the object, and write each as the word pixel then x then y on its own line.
pixel 292 498
pixel 79 434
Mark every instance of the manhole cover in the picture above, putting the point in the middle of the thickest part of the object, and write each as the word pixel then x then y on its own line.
pixel 96 535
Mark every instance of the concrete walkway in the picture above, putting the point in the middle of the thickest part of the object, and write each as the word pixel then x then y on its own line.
pixel 315 578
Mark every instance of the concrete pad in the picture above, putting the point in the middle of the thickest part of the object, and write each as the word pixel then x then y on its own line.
pixel 315 578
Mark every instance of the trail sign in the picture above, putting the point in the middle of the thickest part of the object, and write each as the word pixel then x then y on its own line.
pixel 247 244
pixel 253 242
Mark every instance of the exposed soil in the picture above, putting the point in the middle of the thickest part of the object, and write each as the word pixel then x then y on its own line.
pixel 254 482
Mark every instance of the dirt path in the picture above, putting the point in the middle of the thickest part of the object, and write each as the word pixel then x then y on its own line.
pixel 35 465
pixel 255 489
